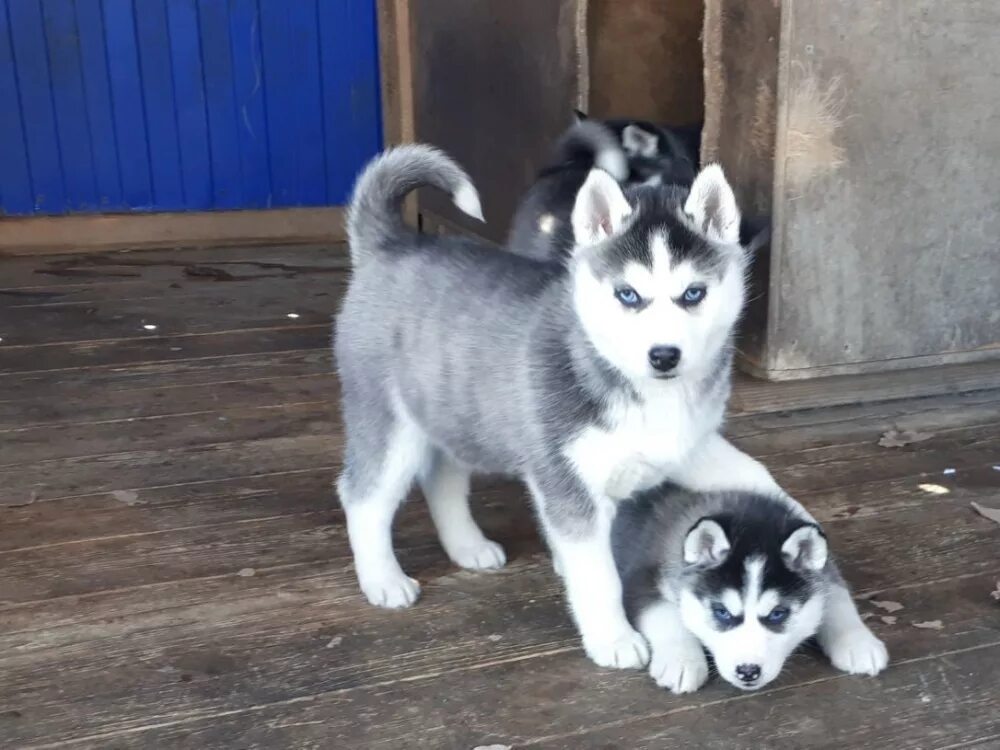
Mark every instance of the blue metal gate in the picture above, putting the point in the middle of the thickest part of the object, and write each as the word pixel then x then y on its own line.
pixel 172 105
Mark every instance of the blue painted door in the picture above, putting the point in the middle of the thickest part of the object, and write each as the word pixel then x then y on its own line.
pixel 172 105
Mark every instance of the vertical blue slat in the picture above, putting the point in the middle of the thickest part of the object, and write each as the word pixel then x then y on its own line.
pixel 221 105
pixel 279 88
pixel 99 108
pixel 191 121
pixel 244 25
pixel 16 196
pixel 126 92
pixel 184 104
pixel 158 101
pixel 351 106
pixel 34 83
pixel 309 156
pixel 70 105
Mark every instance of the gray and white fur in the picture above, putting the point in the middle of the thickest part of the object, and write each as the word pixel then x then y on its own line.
pixel 746 576
pixel 589 382
pixel 541 226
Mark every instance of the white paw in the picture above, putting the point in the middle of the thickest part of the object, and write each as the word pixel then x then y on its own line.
pixel 627 650
pixel 485 555
pixel 679 667
pixel 391 591
pixel 858 651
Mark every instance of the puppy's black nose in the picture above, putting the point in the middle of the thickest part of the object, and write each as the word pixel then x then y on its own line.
pixel 664 358
pixel 748 672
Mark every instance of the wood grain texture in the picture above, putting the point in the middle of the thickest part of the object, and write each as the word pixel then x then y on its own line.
pixel 174 569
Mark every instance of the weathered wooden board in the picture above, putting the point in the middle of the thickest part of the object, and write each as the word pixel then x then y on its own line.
pixel 174 569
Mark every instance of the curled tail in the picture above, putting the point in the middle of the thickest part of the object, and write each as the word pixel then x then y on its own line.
pixel 374 220
pixel 588 144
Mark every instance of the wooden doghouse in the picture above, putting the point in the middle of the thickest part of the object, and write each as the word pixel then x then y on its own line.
pixel 863 128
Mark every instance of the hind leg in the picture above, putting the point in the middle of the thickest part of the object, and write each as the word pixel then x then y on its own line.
pixel 446 487
pixel 378 474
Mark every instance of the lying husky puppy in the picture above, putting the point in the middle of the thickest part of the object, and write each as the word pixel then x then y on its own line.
pixel 589 381
pixel 747 576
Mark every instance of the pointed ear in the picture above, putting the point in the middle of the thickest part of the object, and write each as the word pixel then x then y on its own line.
pixel 600 209
pixel 706 544
pixel 805 549
pixel 712 206
pixel 639 142
pixel 579 116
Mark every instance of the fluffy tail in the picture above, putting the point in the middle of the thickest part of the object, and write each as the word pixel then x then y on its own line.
pixel 374 220
pixel 590 144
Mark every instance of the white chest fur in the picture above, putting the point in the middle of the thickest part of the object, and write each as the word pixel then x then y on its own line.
pixel 644 443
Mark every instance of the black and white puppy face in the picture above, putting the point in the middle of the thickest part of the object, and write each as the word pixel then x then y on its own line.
pixel 656 155
pixel 658 274
pixel 752 595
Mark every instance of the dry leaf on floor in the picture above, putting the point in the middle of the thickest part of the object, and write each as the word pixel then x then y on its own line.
pixel 887 605
pixel 991 513
pixel 929 625
pixel 899 438
pixel 334 642
pixel 889 619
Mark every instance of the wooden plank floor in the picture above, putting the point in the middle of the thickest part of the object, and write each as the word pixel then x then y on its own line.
pixel 174 570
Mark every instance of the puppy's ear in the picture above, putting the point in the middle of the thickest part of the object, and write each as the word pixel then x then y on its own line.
pixel 600 209
pixel 640 142
pixel 706 544
pixel 805 549
pixel 579 116
pixel 712 206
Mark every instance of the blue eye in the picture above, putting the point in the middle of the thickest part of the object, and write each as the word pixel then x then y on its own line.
pixel 628 296
pixel 722 615
pixel 777 616
pixel 693 295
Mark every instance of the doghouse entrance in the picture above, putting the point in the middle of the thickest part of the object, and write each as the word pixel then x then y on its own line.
pixel 819 113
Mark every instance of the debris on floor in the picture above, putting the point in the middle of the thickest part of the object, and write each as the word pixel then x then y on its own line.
pixel 246 572
pixel 934 489
pixel 995 593
pixel 899 438
pixel 888 606
pixel 492 747
pixel 929 625
pixel 948 472
pixel 129 497
pixel 149 326
pixel 991 513
pixel 889 619
pixel 335 641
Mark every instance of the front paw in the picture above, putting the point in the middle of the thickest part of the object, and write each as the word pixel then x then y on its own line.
pixel 625 650
pixel 858 651
pixel 680 667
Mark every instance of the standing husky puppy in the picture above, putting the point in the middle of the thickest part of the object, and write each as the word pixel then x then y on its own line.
pixel 657 154
pixel 746 576
pixel 541 226
pixel 631 151
pixel 588 382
